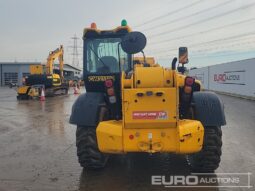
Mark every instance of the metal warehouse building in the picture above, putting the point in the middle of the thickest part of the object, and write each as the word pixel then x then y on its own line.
pixel 70 72
pixel 12 72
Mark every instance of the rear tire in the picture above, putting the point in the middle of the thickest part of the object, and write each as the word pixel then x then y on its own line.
pixel 208 159
pixel 88 153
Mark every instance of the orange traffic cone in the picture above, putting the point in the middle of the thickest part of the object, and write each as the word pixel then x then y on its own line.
pixel 42 97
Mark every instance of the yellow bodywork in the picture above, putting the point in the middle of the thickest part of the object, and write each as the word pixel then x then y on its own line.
pixel 34 92
pixel 56 80
pixel 150 111
pixel 148 60
pixel 22 89
pixel 151 123
pixel 36 69
pixel 186 137
pixel 28 90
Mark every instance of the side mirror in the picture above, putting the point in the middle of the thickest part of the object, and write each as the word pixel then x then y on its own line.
pixel 183 55
pixel 133 42
pixel 181 69
pixel 174 63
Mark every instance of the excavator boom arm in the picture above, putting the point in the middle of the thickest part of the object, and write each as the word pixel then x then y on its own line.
pixel 58 53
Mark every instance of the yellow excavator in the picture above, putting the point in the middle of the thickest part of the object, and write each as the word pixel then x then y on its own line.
pixel 52 83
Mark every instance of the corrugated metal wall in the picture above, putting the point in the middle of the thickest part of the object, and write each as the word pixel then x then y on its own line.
pixel 233 77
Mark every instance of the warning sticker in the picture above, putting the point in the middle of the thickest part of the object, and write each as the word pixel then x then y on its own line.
pixel 150 115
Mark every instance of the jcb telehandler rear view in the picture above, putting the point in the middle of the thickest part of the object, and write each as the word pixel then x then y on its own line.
pixel 139 107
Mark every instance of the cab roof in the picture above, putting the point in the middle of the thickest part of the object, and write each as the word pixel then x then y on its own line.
pixel 95 32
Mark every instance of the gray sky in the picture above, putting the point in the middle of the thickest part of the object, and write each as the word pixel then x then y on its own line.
pixel 215 31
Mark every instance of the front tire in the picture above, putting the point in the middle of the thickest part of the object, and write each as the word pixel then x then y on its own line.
pixel 208 159
pixel 88 153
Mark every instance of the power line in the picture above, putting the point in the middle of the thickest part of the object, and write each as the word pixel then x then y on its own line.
pixel 219 55
pixel 230 54
pixel 202 21
pixel 148 11
pixel 241 45
pixel 212 41
pixel 221 48
pixel 194 14
pixel 232 45
pixel 203 32
pixel 226 47
pixel 203 56
pixel 169 13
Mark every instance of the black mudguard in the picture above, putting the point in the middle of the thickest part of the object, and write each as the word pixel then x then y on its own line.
pixel 208 108
pixel 86 108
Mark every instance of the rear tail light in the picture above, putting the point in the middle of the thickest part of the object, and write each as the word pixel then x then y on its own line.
pixel 189 81
pixel 188 86
pixel 108 83
pixel 110 91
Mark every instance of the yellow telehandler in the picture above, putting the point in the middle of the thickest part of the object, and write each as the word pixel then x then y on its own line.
pixel 130 107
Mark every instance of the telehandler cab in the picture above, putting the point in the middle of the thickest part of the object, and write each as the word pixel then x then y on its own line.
pixel 132 107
